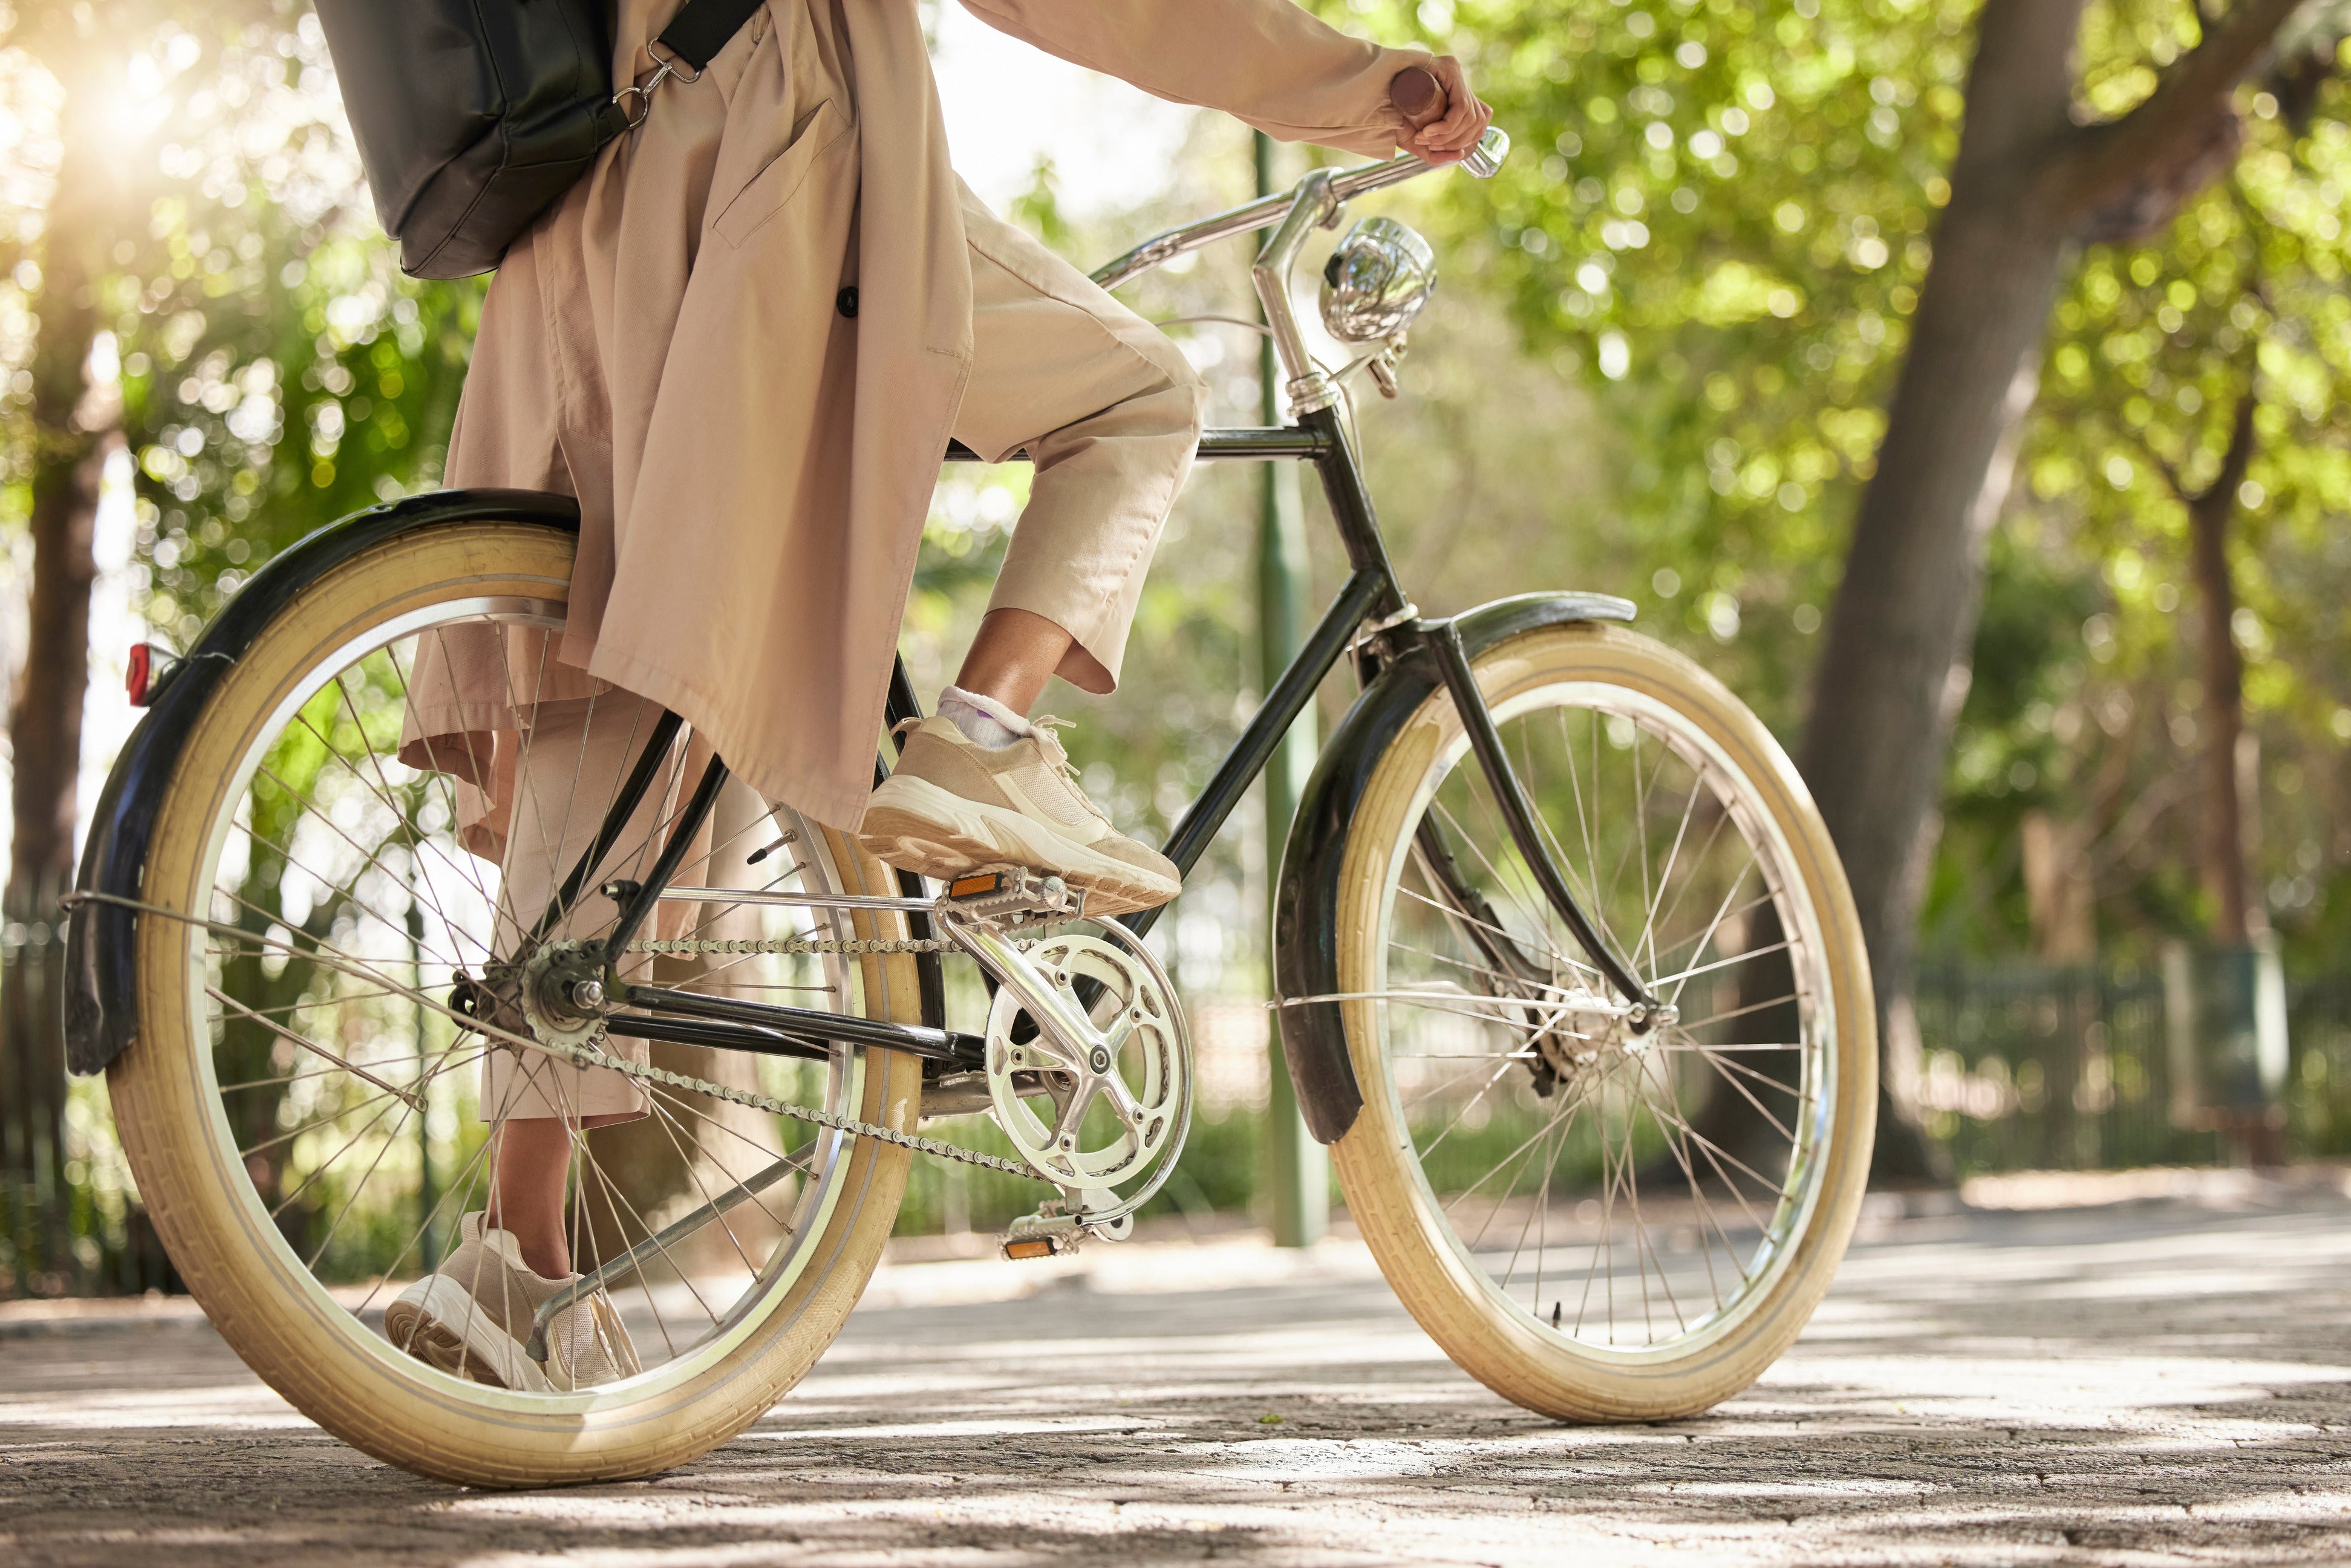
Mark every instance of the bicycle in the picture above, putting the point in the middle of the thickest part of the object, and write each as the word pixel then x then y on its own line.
pixel 1557 919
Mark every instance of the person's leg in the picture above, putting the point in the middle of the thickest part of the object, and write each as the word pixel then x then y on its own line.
pixel 1109 413
pixel 528 1184
pixel 1012 656
pixel 568 775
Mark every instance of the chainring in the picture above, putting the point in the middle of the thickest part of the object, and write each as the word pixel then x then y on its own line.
pixel 1104 1113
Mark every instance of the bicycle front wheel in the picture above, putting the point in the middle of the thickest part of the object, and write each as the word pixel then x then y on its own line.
pixel 305 1110
pixel 1602 1222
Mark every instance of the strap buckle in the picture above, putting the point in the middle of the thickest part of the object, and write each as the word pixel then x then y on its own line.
pixel 672 63
pixel 667 63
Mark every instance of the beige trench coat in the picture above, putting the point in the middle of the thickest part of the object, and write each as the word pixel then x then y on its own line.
pixel 753 463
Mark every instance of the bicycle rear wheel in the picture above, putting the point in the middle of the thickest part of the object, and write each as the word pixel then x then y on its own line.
pixel 1597 1221
pixel 302 1109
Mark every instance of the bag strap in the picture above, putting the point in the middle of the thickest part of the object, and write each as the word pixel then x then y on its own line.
pixel 690 41
pixel 701 28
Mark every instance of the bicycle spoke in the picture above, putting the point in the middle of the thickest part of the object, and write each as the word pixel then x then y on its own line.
pixel 351 895
pixel 1566 1110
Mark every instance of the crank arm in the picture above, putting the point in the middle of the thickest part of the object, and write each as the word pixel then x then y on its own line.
pixel 1061 1021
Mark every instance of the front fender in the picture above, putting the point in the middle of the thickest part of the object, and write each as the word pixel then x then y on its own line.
pixel 102 996
pixel 1306 900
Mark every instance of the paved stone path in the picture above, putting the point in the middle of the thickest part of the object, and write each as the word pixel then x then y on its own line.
pixel 2163 1380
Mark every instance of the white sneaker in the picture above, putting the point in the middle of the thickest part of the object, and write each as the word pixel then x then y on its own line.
pixel 472 1318
pixel 954 805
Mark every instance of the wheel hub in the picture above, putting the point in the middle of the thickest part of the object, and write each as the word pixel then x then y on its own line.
pixel 563 994
pixel 1587 1039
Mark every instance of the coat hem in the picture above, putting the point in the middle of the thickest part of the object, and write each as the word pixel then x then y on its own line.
pixel 834 807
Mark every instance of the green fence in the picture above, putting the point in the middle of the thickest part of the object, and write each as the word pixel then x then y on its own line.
pixel 2027 1066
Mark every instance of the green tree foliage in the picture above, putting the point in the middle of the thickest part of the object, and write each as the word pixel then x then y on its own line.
pixel 278 372
pixel 224 311
pixel 2154 346
pixel 275 371
pixel 1718 221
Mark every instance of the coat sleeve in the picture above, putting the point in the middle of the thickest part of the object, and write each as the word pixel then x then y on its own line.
pixel 1265 61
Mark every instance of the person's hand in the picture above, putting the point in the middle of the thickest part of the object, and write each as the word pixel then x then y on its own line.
pixel 1447 132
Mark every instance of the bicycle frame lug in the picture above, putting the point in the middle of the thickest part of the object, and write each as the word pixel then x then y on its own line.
pixel 1056 1012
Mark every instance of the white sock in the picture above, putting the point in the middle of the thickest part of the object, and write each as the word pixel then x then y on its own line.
pixel 985 722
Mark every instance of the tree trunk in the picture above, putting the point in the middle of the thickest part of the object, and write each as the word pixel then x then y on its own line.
pixel 1904 614
pixel 2028 185
pixel 45 724
pixel 2058 894
pixel 2235 917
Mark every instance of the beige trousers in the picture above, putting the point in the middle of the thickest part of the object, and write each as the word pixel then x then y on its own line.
pixel 568 773
pixel 1108 410
pixel 1110 413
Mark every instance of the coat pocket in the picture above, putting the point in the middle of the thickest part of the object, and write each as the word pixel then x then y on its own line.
pixel 772 190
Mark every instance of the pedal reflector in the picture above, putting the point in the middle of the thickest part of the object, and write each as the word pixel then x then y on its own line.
pixel 975 885
pixel 1029 1246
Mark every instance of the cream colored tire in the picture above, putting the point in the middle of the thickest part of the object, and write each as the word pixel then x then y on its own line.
pixel 1448 1286
pixel 289 1328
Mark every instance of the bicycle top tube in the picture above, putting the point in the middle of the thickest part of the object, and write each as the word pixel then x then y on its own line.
pixel 1268 211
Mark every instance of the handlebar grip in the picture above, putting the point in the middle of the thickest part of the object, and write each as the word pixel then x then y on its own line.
pixel 1418 96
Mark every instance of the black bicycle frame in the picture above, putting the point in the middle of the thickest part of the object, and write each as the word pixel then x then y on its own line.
pixel 1371 594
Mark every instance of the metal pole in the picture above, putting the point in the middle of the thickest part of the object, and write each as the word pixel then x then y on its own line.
pixel 1299 1168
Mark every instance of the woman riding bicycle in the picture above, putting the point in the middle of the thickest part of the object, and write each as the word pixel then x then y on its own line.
pixel 742 343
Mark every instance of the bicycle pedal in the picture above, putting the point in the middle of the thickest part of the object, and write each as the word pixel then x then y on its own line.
pixel 1051 1231
pixel 1012 892
pixel 1043 1235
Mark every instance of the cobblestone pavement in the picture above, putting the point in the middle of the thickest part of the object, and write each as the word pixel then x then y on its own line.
pixel 2158 1380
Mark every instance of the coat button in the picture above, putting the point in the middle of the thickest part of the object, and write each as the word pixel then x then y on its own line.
pixel 846 302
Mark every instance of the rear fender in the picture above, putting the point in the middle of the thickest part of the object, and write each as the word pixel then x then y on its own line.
pixel 101 996
pixel 1306 900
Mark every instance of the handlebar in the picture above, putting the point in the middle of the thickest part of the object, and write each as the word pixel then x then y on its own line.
pixel 1339 189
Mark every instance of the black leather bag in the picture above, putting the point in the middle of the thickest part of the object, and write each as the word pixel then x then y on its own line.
pixel 473 116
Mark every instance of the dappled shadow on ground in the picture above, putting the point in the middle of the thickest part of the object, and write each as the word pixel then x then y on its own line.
pixel 2156 1384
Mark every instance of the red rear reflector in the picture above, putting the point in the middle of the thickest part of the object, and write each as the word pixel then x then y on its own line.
pixel 965 887
pixel 138 672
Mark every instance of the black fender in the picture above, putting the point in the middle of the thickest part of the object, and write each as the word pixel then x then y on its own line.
pixel 1306 900
pixel 102 996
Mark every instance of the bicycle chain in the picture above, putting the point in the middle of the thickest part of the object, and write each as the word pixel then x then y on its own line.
pixel 717 948
pixel 838 1124
pixel 589 1056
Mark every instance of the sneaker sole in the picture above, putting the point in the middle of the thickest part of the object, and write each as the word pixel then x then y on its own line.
pixel 916 826
pixel 446 1328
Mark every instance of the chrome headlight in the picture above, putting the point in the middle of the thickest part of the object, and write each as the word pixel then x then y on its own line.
pixel 1376 281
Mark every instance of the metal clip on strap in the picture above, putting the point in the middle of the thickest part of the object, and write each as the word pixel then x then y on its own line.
pixel 685 49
